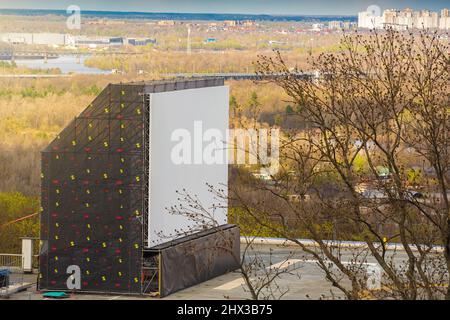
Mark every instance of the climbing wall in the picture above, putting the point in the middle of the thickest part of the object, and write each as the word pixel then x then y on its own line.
pixel 93 193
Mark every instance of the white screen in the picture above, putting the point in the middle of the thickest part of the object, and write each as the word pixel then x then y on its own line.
pixel 169 112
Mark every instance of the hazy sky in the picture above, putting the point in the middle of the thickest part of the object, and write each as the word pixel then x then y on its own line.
pixel 291 7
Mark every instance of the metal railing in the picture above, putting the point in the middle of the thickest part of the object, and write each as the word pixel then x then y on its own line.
pixel 12 262
pixel 13 265
pixel 35 263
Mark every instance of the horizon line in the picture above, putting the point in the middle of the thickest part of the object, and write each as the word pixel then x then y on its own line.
pixel 205 13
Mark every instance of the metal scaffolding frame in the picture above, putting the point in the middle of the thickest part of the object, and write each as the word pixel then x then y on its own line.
pixel 95 193
pixel 92 196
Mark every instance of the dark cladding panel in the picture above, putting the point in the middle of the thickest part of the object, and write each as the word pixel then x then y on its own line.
pixel 127 93
pixel 96 108
pixel 92 200
pixel 94 222
pixel 167 86
pixel 44 217
pixel 203 256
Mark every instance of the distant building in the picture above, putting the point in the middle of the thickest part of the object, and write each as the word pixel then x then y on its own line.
pixel 91 42
pixel 99 42
pixel 166 23
pixel 347 25
pixel 57 39
pixel 104 21
pixel 141 42
pixel 276 43
pixel 428 20
pixel 116 41
pixel 335 25
pixel 249 23
pixel 239 23
pixel 405 19
pixel 48 39
pixel 317 27
pixel 231 23
pixel 340 25
pixel 210 40
pixel 390 16
pixel 367 20
pixel 444 22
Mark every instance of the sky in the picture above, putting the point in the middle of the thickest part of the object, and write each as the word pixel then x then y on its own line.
pixel 275 7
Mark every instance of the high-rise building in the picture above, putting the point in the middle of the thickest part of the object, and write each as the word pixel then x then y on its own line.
pixel 346 25
pixel 367 20
pixel 335 25
pixel 444 21
pixel 405 19
pixel 434 20
pixel 390 16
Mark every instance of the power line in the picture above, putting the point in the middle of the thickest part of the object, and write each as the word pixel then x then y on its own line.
pixel 18 220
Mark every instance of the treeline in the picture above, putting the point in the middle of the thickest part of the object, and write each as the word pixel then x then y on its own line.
pixel 14 206
pixel 32 113
pixel 160 62
pixel 10 67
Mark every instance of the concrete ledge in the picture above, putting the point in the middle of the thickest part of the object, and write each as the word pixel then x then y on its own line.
pixel 6 292
pixel 341 244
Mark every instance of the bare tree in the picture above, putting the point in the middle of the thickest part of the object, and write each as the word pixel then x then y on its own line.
pixel 260 276
pixel 383 101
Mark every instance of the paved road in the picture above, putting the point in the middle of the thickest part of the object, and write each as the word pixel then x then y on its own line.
pixel 305 281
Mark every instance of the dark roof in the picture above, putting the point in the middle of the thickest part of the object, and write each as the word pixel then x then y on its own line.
pixel 177 84
pixel 195 236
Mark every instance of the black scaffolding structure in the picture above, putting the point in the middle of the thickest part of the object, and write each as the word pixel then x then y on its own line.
pixel 95 200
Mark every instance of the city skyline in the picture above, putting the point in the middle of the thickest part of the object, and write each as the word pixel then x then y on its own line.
pixel 281 7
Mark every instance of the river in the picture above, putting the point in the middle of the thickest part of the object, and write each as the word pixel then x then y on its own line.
pixel 66 63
